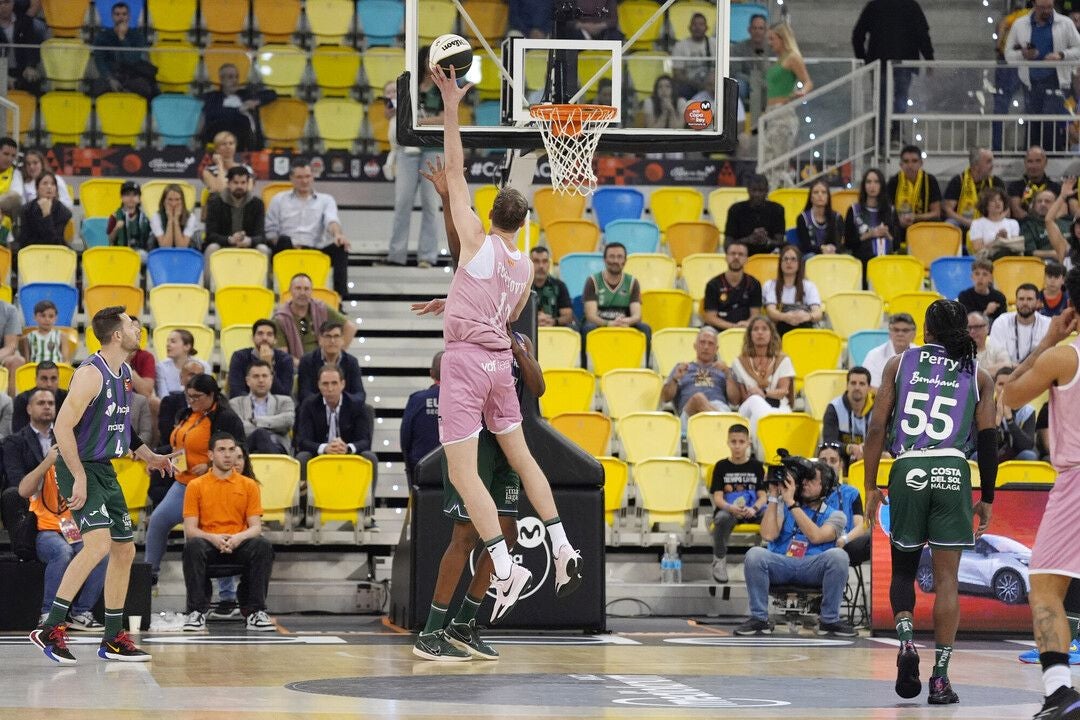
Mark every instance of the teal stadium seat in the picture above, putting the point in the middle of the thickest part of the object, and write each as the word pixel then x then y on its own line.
pixel 639 236
pixel 176 117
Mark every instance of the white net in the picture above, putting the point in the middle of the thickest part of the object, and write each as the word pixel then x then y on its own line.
pixel 571 134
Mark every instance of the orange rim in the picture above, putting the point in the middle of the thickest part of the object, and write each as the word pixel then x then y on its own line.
pixel 568 119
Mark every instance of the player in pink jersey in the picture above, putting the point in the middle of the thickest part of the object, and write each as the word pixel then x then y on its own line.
pixel 1055 561
pixel 489 289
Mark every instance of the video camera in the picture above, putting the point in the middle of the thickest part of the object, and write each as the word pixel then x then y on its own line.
pixel 802 470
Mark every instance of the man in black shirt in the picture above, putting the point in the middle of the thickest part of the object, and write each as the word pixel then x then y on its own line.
pixel 1022 192
pixel 960 201
pixel 914 193
pixel 982 296
pixel 757 222
pixel 738 494
pixel 732 297
pixel 553 307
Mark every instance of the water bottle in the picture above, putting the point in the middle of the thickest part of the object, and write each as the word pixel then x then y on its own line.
pixel 671 563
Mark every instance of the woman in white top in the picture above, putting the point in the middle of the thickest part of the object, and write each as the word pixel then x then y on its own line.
pixel 172 225
pixel 179 348
pixel 991 234
pixel 791 301
pixel 762 377
pixel 33 165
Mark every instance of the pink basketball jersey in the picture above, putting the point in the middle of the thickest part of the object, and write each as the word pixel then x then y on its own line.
pixel 483 293
pixel 1064 430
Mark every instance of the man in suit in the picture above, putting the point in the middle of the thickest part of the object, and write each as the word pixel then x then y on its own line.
pixel 46 377
pixel 329 352
pixel 25 449
pixel 332 422
pixel 268 417
pixel 263 340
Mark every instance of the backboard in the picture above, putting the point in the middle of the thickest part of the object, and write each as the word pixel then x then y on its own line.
pixel 648 46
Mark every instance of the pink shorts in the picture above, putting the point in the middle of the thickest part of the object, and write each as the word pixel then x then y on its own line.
pixel 476 383
pixel 1059 533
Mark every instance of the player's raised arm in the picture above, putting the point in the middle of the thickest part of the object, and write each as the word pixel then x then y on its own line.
pixel 874 445
pixel 85 386
pixel 470 230
pixel 436 175
pixel 1046 365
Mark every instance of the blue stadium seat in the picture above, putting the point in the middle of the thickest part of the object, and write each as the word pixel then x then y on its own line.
pixel 574 268
pixel 176 117
pixel 93 232
pixel 863 342
pixel 617 203
pixel 739 19
pixel 65 297
pixel 639 236
pixel 104 11
pixel 488 114
pixel 175 265
pixel 951 275
pixel 381 20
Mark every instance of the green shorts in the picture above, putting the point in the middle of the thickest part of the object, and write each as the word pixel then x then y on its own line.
pixel 498 477
pixel 930 501
pixel 105 506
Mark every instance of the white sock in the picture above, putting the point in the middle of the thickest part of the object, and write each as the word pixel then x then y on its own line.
pixel 1056 676
pixel 501 557
pixel 557 534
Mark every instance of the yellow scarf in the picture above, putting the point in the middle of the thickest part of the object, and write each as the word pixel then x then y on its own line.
pixel 912 196
pixel 5 179
pixel 1031 189
pixel 969 194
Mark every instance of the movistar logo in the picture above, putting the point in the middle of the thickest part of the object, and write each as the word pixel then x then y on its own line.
pixel 916 479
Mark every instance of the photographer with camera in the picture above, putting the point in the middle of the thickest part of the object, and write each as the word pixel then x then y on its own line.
pixel 801 530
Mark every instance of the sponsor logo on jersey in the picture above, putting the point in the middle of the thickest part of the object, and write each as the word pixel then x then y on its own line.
pixel 916 479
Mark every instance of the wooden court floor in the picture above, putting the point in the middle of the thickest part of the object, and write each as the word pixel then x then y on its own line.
pixel 645 669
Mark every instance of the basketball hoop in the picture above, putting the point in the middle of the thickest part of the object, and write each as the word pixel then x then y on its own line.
pixel 571 133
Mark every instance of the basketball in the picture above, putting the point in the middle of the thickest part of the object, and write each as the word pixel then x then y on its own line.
pixel 451 51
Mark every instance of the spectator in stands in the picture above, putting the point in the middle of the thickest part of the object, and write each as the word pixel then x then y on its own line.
pixel 27 445
pixel 7 406
pixel 1042 433
pixel 757 222
pixel 982 296
pixel 1021 330
pixel 990 355
pixel 1022 192
pixel 962 193
pixel 33 165
pixel 129 226
pixel 46 377
pixel 123 69
pixel 45 342
pixel 762 378
pixel 801 533
pixel 613 297
pixel 263 338
pixel 207 414
pixel 914 193
pixel 332 422
pixel 819 227
pixel 215 176
pixel 143 369
pixel 1015 426
pixel 330 352
pixel 59 540
pixel 12 325
pixel 18 29
pixel 597 20
pixel 738 495
pixel 1053 298
pixel 791 301
pixel 268 417
pixel 1037 241
pixel 1048 36
pixel 856 538
pixel 179 348
pixel 531 18
pixel 235 216
pixel 303 218
pixel 870 225
pixel 694 57
pixel 420 422
pixel 173 225
pixel 1006 79
pixel 1066 243
pixel 701 384
pixel 553 306
pixel 172 405
pixel 994 234
pixel 751 59
pixel 299 319
pixel 732 297
pixel 901 338
pixel 44 218
pixel 222 513
pixel 786 82
pixel 11 186
pixel 664 108
pixel 234 109
pixel 848 415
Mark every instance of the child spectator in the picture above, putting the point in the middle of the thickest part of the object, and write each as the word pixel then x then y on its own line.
pixel 1053 298
pixel 129 226
pixel 982 296
pixel 46 342
pixel 738 494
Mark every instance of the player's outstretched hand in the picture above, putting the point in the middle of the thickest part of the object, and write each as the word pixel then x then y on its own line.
pixel 436 174
pixel 163 463
pixel 451 93
pixel 431 307
pixel 1063 325
pixel 873 502
pixel 982 511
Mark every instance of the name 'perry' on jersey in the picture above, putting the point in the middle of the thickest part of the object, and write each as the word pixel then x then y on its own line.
pixel 104 431
pixel 483 293
pixel 935 402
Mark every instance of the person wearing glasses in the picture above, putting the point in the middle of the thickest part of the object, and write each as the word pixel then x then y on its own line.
pixel 990 355
pixel 901 338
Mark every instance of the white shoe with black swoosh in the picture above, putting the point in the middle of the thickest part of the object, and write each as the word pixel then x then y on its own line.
pixel 509 591
pixel 567 571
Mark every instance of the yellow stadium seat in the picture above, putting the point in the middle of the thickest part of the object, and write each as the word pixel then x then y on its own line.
pixel 382 65
pixel 47 263
pixel 64 115
pixel 834 273
pixel 820 388
pixel 339 121
pixel 5 266
pixel 329 20
pixel 589 62
pixel 672 205
pixel 551 206
pixel 1012 272
pixel 27 112
pixel 65 18
pixel 616 474
pixel 891 275
pixel 437 17
pixel 793 200
pixel 857 475
pixel 65 62
pixel 279 476
pixel 242 304
pixel 680 13
pixel 230 267
pixel 490 16
pixel 175 304
pixel 662 309
pixel 325 295
pixel 154 189
pixel 99 297
pixel 224 21
pixel 812 350
pixel 850 312
pixel 276 19
pixel 171 19
pixel 336 70
pixel 591 431
pixel 483 201
pixel 633 14
pixel 489 86
pixel 929 241
pixel 236 337
pixel 272 189
pixel 217 55
pixel 644 67
pixel 288 263
pixel 796 432
pixel 25 376
pixel 568 390
pixel 706 434
pixel 672 346
pixel 570 236
pixel 100 197
pixel 609 348
pixel 690 238
pixel 729 344
pixel 379 125
pixel 721 200
pixel 558 347
pixel 134 480
pixel 627 391
pixel 281 67
pixel 915 305
pixel 110 266
pixel 843 199
pixel 339 490
pixel 698 270
pixel 177 64
pixel 1027 472
pixel 667 492
pixel 122 117
pixel 762 267
pixel 204 339
pixel 283 122
pixel 644 435
pixel 653 271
